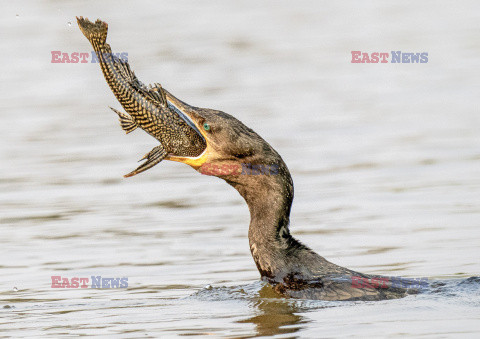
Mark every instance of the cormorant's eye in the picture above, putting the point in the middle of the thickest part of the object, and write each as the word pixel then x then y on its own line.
pixel 206 127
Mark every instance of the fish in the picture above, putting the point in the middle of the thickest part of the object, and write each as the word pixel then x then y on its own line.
pixel 146 107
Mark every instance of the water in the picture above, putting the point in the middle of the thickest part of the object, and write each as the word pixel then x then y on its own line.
pixel 385 160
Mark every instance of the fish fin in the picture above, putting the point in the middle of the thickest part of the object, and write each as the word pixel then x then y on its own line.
pixel 127 122
pixel 93 31
pixel 128 74
pixel 156 93
pixel 153 157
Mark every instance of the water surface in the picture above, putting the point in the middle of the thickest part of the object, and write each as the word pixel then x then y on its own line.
pixel 385 160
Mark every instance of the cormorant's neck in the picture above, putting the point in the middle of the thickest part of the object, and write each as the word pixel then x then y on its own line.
pixel 269 198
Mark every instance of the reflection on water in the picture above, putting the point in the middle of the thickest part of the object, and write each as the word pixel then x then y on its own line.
pixel 276 316
pixel 384 159
pixel 271 314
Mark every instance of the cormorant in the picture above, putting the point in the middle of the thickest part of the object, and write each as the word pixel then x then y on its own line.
pixel 238 155
pixel 216 143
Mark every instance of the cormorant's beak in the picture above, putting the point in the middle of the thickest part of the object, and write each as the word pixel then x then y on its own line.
pixel 191 115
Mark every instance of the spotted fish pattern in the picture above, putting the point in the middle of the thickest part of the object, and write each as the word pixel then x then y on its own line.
pixel 146 106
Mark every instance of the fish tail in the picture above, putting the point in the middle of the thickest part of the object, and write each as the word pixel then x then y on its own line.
pixel 96 32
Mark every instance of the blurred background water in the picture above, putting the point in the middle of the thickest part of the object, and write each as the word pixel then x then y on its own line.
pixel 385 160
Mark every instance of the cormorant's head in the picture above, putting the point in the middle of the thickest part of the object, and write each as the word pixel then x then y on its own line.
pixel 242 158
pixel 232 148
